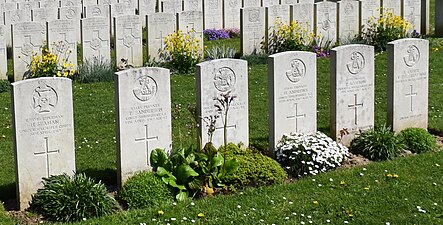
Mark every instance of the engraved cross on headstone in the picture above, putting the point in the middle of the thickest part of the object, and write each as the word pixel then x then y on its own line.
pixel 146 140
pixel 355 107
pixel 128 40
pixel 46 153
pixel 296 116
pixel 410 95
pixel 254 39
pixel 95 43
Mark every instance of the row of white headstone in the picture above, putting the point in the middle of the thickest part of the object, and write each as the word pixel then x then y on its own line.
pixel 257 24
pixel 331 21
pixel 43 111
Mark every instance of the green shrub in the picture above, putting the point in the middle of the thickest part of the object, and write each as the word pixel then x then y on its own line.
pixel 95 70
pixel 255 169
pixel 379 144
pixel 418 140
pixel 4 86
pixel 182 51
pixel 144 190
pixel 66 199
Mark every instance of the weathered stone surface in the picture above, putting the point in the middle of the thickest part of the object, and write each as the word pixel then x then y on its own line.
pixel 408 77
pixel 231 14
pixel 292 91
pixel 217 77
pixel 43 132
pixel 143 105
pixel 348 21
pixel 252 31
pixel 73 13
pixel 160 25
pixel 369 9
pixel 3 54
pixel 95 39
pixel 393 6
pixel 213 14
pixel 192 22
pixel 303 14
pixel 352 91
pixel 326 22
pixel 128 40
pixel 412 13
pixel 62 41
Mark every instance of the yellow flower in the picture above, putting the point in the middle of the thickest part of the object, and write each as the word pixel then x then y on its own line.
pixel 366 188
pixel 201 215
pixel 342 183
pixel 389 175
pixel 315 202
pixel 160 212
pixel 394 175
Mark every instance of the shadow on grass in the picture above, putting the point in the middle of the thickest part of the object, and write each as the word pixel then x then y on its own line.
pixel 107 176
pixel 8 196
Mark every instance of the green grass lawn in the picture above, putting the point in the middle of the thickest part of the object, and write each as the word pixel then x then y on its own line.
pixel 94 116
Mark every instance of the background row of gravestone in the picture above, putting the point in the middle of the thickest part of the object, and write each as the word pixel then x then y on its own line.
pixel 43 109
pixel 332 20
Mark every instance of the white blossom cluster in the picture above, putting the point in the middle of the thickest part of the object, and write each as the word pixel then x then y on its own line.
pixel 309 154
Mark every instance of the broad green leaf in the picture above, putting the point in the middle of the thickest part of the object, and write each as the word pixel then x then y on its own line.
pixel 181 196
pixel 184 172
pixel 232 166
pixel 158 157
pixel 163 172
pixel 217 161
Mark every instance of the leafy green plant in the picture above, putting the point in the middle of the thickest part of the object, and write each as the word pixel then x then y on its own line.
pixel 389 27
pixel 288 37
pixel 5 86
pixel 95 70
pixel 418 140
pixel 309 154
pixel 50 64
pixel 255 169
pixel 65 198
pixel 145 190
pixel 378 144
pixel 182 51
pixel 220 52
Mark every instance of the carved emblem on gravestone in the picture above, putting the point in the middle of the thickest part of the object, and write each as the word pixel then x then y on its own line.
pixel 15 17
pixel 356 63
pixel 254 15
pixel 224 79
pixel 297 71
pixel 128 40
pixel 62 47
pixel 213 4
pixel 326 24
pixel 96 11
pixel 233 3
pixel 44 98
pixel 193 5
pixel 70 14
pixel 348 8
pixel 145 88
pixel 96 43
pixel 412 56
pixel 26 49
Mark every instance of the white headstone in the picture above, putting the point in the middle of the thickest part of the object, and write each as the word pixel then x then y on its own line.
pixel 393 6
pixel 96 39
pixel 97 11
pixel 369 9
pixel 70 3
pixel 143 105
pixel 8 6
pixel 251 3
pixel 128 40
pixel 326 22
pixel 43 132
pixel 412 13
pixel 171 6
pixel 160 25
pixel 231 14
pixel 27 41
pixel 146 7
pixel 267 3
pixel 252 31
pixel 408 77
pixel 289 2
pixel 107 2
pixel 348 22
pixel 74 14
pixel 192 5
pixel 49 4
pixel 439 18
pixel 292 92
pixel 217 77
pixel 303 14
pixel 352 91
pixel 213 14
pixel 89 2
pixel 120 9
pixel 3 55
pixel 43 15
pixel 133 4
pixel 62 40
pixel 27 5
pixel 13 17
pixel 191 22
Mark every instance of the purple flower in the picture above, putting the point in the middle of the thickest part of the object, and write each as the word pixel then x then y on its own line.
pixel 214 34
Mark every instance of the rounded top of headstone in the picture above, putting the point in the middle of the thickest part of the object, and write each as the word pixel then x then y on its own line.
pixel 146 69
pixel 352 46
pixel 57 79
pixel 289 53
pixel 221 61
pixel 403 40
